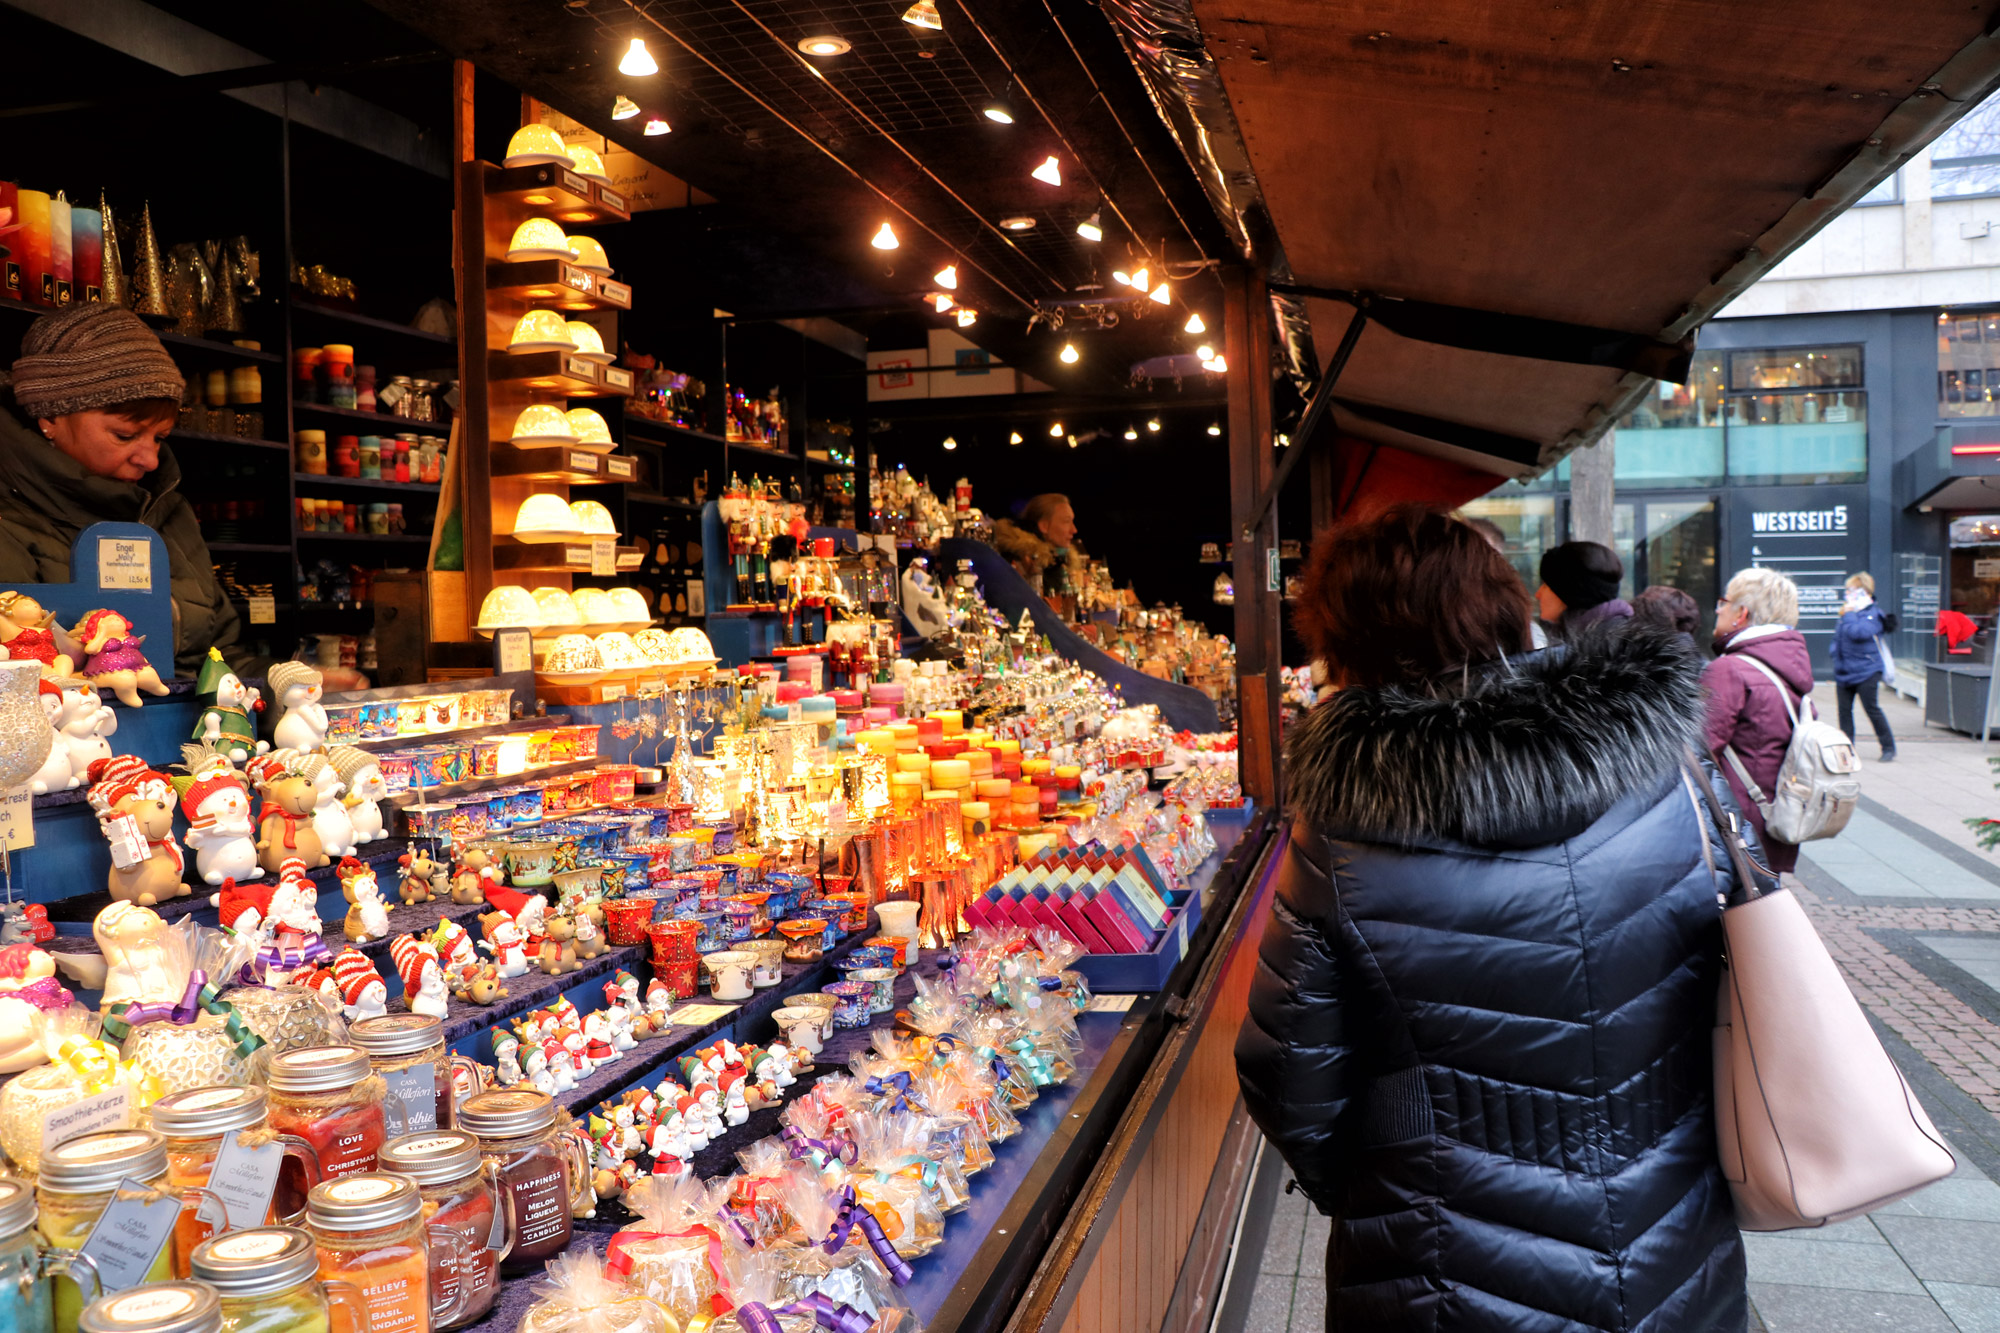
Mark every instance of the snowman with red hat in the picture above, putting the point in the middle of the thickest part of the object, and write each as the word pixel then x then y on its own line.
pixel 528 912
pixel 423 976
pixel 217 805
pixel 363 993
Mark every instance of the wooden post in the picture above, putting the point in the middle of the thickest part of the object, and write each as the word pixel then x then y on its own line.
pixel 1247 340
pixel 474 473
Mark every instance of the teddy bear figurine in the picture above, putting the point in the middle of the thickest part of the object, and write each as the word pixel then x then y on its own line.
pixel 285 825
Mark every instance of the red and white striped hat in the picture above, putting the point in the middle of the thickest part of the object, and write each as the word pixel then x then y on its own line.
pixel 352 972
pixel 410 958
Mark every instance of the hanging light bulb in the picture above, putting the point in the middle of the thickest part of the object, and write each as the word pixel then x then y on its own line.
pixel 1090 228
pixel 941 301
pixel 1214 429
pixel 966 316
pixel 924 14
pixel 1056 431
pixel 638 61
pixel 1153 425
pixel 885 239
pixel 947 277
pixel 1068 356
pixel 623 107
pixel 656 127
pixel 1122 278
pixel 1161 296
pixel 950 444
pixel 1131 434
pixel 1194 324
pixel 998 111
pixel 1014 437
pixel 1072 441
pixel 1204 353
pixel 1049 173
pixel 1139 280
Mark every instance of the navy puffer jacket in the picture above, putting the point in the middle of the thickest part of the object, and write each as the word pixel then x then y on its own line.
pixel 1480 1027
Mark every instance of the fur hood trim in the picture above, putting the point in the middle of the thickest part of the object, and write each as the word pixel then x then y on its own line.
pixel 1021 546
pixel 1534 751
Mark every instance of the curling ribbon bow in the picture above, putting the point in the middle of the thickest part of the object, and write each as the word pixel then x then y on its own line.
pixel 757 1317
pixel 98 1064
pixel 199 997
pixel 1001 1069
pixel 272 957
pixel 897 1084
pixel 819 1151
pixel 1038 1065
pixel 1050 983
pixel 850 1215
pixel 927 1170
pixel 618 1260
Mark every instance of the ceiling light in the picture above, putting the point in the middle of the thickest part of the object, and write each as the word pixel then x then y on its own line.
pixel 825 44
pixel 923 14
pixel 1072 441
pixel 1014 437
pixel 950 443
pixel 947 277
pixel 1153 425
pixel 1019 222
pixel 966 316
pixel 1122 278
pixel 1068 356
pixel 1140 280
pixel 623 108
pixel 1214 429
pixel 1056 431
pixel 941 302
pixel 1090 229
pixel 1194 324
pixel 656 126
pixel 1161 296
pixel 1204 353
pixel 1131 434
pixel 1049 173
pixel 638 61
pixel 998 111
pixel 885 239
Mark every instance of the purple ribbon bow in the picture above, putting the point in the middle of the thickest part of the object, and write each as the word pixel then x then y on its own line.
pixel 271 958
pixel 851 1215
pixel 827 1150
pixel 757 1317
pixel 182 1011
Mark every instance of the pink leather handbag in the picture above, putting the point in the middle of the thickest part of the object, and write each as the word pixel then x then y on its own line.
pixel 1813 1120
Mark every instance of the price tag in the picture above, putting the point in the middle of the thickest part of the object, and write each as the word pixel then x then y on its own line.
pixel 575 184
pixel 513 650
pixel 414 1093
pixel 263 610
pixel 615 378
pixel 615 292
pixel 697 595
pixel 17 819
pixel 101 1111
pixel 611 692
pixel 603 557
pixel 130 1234
pixel 618 467
pixel 700 1015
pixel 245 1178
pixel 128 843
pixel 576 555
pixel 613 199
pixel 579 368
pixel 578 279
pixel 125 563
pixel 583 463
pixel 1109 1004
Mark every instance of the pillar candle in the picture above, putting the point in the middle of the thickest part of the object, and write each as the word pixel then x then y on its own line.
pixel 86 227
pixel 930 729
pixel 950 719
pixel 918 763
pixel 31 244
pixel 981 761
pixel 994 791
pixel 952 774
pixel 1030 767
pixel 905 734
pixel 61 253
pixel 906 792
pixel 1004 748
pixel 10 245
pixel 978 817
pixel 876 740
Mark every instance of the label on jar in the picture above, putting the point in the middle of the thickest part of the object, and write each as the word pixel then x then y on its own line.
pixel 104 1110
pixel 412 1104
pixel 245 1178
pixel 152 1307
pixel 262 1245
pixel 541 1203
pixel 130 1234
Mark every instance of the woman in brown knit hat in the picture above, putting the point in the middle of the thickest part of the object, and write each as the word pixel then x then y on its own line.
pixel 95 396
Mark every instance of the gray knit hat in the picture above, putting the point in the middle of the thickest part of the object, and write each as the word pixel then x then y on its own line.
pixel 91 356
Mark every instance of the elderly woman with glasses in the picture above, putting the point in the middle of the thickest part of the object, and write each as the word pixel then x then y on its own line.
pixel 1755 687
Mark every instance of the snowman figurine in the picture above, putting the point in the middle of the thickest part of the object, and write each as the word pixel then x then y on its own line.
pixel 329 816
pixel 365 788
pixel 217 805
pixel 298 688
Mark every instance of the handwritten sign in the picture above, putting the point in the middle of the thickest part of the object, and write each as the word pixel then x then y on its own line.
pixel 603 557
pixel 17 819
pixel 124 564
pixel 263 610
pixel 700 1015
pixel 513 650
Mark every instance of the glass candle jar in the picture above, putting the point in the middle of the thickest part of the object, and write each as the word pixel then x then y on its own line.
pixel 194 1124
pixel 78 1181
pixel 163 1307
pixel 542 1172
pixel 408 1051
pixel 461 1204
pixel 368 1230
pixel 268 1281
pixel 330 1097
pixel 24 1267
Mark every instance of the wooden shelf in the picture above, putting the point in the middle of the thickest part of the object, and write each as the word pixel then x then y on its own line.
pixel 556 463
pixel 203 437
pixel 558 283
pixel 364 483
pixel 661 432
pixel 653 501
pixel 247 548
pixel 219 349
pixel 398 539
pixel 560 192
pixel 762 452
pixel 394 423
pixel 336 315
pixel 568 557
pixel 563 373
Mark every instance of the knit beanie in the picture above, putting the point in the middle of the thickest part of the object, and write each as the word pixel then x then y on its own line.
pixel 91 356
pixel 1583 574
pixel 353 973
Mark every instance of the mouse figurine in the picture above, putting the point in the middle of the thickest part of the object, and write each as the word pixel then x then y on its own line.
pixel 111 657
pixel 135 809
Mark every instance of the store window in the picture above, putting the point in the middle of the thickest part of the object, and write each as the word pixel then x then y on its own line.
pixel 1795 368
pixel 1968 364
pixel 1674 436
pixel 1888 192
pixel 1965 160
pixel 1529 522
pixel 1798 439
pixel 1762 416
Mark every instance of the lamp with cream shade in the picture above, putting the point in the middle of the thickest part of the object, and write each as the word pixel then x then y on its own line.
pixel 591 517
pixel 546 518
pixel 542 424
pixel 508 607
pixel 534 145
pixel 589 343
pixel 540 331
pixel 588 164
pixel 558 611
pixel 589 431
pixel 588 254
pixel 538 238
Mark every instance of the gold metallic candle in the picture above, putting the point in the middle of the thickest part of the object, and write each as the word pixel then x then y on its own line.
pixel 945 800
pixel 906 792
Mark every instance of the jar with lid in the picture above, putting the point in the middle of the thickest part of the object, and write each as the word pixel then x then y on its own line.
pixel 369 1230
pixel 195 1124
pixel 408 1051
pixel 331 1097
pixel 77 1183
pixel 268 1281
pixel 157 1307
pixel 542 1169
pixel 462 1216
pixel 26 1267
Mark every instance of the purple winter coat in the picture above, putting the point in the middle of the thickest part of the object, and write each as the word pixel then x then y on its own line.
pixel 1745 711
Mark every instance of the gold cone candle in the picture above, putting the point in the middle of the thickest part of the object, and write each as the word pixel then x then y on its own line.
pixel 116 290
pixel 149 273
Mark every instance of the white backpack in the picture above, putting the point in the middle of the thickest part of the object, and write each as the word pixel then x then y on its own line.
pixel 1819 782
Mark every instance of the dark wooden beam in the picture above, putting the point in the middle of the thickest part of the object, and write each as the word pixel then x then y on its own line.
pixel 1246 334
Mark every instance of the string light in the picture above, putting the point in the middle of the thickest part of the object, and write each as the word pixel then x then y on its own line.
pixel 1049 173
pixel 656 127
pixel 1014 437
pixel 1194 324
pixel 947 277
pixel 1161 296
pixel 1090 228
pixel 966 316
pixel 1122 278
pixel 1068 356
pixel 1139 280
pixel 885 239
pixel 1056 431
pixel 950 443
pixel 638 61
pixel 1153 425
pixel 941 301
pixel 623 107
pixel 1214 429
pixel 1131 434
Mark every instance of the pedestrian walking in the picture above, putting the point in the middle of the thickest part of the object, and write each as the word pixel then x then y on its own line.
pixel 1760 679
pixel 1580 583
pixel 1669 609
pixel 1479 1031
pixel 1861 661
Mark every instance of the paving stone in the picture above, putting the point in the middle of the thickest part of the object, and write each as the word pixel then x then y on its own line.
pixel 1973 1309
pixel 1969 1200
pixel 1271 1304
pixel 1947 1249
pixel 1312 1254
pixel 1281 1246
pixel 1788 1308
pixel 1828 1263
pixel 1309 1306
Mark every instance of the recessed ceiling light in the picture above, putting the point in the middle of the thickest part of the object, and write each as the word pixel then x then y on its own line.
pixel 998 111
pixel 638 61
pixel 924 14
pixel 1050 172
pixel 825 44
pixel 1018 223
pixel 623 108
pixel 657 126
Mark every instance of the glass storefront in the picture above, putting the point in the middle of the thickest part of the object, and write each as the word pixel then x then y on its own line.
pixel 1968 364
pixel 1760 417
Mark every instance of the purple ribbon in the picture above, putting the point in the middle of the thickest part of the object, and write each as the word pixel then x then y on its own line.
pixel 897 1084
pixel 1050 983
pixel 827 1149
pixel 851 1215
pixel 757 1317
pixel 270 957
pixel 182 1011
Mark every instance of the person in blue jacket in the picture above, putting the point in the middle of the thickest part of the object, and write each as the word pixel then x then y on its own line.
pixel 1857 661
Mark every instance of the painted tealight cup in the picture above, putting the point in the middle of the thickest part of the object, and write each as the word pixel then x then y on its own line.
pixel 883 980
pixel 856 1003
pixel 803 1027
pixel 730 972
pixel 770 962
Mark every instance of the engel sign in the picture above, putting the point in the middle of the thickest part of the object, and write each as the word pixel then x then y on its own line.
pixel 1830 522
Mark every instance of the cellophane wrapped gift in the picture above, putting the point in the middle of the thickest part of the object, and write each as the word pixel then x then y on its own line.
pixel 754 1197
pixel 993 1036
pixel 815 1126
pixel 191 1038
pixel 985 1102
pixel 81 1064
pixel 287 1018
pixel 1055 963
pixel 1049 1025
pixel 673 1254
pixel 895 1179
pixel 956 1130
pixel 580 1297
pixel 848 1273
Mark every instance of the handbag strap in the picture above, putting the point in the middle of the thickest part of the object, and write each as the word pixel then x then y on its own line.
pixel 1747 887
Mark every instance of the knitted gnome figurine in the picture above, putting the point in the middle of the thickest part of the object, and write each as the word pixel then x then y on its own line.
pixel 423 976
pixel 296 688
pixel 363 994
pixel 224 724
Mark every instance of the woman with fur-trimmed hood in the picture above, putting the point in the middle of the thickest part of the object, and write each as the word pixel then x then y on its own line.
pixel 1479 1030
pixel 1041 540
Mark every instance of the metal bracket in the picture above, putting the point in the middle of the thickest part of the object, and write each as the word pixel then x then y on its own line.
pixel 1308 427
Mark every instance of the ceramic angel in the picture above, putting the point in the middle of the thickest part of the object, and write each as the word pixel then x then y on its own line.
pixel 217 804
pixel 285 823
pixel 365 790
pixel 86 722
pixel 55 774
pixel 133 941
pixel 224 724
pixel 330 819
pixel 124 788
pixel 111 657
pixel 26 633
pixel 296 688
pixel 367 914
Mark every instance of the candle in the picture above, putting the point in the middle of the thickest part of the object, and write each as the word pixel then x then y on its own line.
pixel 876 740
pixel 905 734
pixel 930 730
pixel 952 720
pixel 981 761
pixel 1005 748
pixel 31 246
pixel 995 790
pixel 906 792
pixel 918 763
pixel 10 250
pixel 978 817
pixel 1030 767
pixel 951 774
pixel 61 253
pixel 86 227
